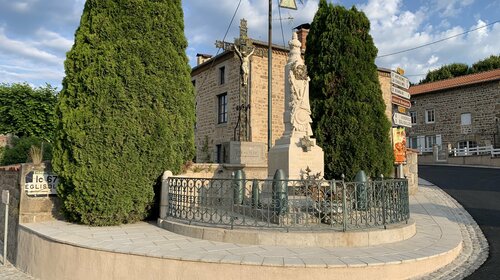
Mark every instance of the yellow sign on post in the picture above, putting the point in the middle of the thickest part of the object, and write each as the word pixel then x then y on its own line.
pixel 399 147
pixel 288 4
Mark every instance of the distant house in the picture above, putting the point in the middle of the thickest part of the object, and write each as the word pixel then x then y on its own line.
pixel 462 112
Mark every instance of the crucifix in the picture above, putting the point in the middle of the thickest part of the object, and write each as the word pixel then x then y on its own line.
pixel 244 49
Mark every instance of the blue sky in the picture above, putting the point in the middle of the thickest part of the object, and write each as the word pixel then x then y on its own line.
pixel 36 34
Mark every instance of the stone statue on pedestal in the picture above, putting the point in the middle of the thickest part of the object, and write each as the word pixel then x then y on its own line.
pixel 296 150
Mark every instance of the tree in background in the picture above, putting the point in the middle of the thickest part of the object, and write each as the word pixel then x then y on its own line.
pixel 446 72
pixel 27 111
pixel 27 114
pixel 346 99
pixel 19 151
pixel 487 64
pixel 460 69
pixel 126 110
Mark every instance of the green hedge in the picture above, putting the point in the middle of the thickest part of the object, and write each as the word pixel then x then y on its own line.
pixel 346 99
pixel 126 111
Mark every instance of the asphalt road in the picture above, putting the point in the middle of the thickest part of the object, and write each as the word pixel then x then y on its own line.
pixel 478 190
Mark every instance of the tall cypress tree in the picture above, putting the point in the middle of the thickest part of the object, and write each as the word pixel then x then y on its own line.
pixel 346 99
pixel 126 110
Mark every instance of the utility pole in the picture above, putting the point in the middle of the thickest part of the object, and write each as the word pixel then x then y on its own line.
pixel 270 78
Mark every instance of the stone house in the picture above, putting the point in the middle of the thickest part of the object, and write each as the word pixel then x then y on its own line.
pixel 459 112
pixel 217 86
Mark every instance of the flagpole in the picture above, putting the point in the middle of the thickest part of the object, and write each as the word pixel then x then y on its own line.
pixel 269 79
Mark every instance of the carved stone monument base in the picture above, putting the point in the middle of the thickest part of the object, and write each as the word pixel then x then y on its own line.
pixel 252 153
pixel 290 155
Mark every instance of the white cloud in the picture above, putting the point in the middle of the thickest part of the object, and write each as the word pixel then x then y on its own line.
pixel 433 59
pixel 451 8
pixel 20 7
pixel 395 29
pixel 206 23
pixel 25 49
pixel 53 40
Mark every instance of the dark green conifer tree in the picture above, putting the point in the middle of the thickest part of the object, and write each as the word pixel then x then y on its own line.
pixel 126 110
pixel 346 98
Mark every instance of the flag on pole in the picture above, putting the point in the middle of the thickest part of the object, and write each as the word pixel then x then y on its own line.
pixel 288 4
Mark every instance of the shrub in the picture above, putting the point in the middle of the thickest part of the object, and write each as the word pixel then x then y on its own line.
pixel 126 110
pixel 348 110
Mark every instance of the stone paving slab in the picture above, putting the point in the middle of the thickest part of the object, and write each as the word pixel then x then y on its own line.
pixel 11 273
pixel 439 231
pixel 474 244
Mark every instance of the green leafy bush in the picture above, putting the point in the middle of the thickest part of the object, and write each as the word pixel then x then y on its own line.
pixel 126 110
pixel 347 106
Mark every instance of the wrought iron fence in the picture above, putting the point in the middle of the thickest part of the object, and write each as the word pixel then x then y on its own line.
pixel 288 204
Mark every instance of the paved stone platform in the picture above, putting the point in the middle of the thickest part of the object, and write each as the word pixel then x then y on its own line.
pixel 438 241
pixel 8 272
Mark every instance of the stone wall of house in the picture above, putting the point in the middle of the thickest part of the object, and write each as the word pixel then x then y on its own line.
pixel 10 180
pixel 24 208
pixel 208 132
pixel 259 94
pixel 481 101
pixel 384 79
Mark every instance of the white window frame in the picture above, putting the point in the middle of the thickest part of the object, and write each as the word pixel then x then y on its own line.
pixel 428 114
pixel 430 141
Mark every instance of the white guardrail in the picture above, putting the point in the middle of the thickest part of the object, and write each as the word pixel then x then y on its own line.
pixel 457 152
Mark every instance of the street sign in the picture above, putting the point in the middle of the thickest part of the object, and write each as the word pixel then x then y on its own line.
pixel 401 110
pixel 288 4
pixel 400 92
pixel 41 183
pixel 5 197
pixel 401 101
pixel 401 120
pixel 400 80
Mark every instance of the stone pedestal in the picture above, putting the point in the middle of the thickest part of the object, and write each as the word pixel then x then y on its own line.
pixel 245 153
pixel 289 154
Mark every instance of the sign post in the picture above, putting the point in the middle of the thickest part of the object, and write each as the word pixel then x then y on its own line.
pixel 401 99
pixel 5 200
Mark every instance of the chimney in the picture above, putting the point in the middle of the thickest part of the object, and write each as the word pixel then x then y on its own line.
pixel 302 31
pixel 201 58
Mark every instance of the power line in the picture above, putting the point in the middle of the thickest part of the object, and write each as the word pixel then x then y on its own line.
pixel 438 41
pixel 223 40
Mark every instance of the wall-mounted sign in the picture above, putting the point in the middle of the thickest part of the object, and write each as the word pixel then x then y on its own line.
pixel 40 183
pixel 399 80
pixel 401 120
pixel 400 92
pixel 399 146
pixel 5 197
pixel 401 101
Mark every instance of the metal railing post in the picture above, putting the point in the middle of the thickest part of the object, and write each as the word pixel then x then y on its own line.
pixel 344 205
pixel 383 201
